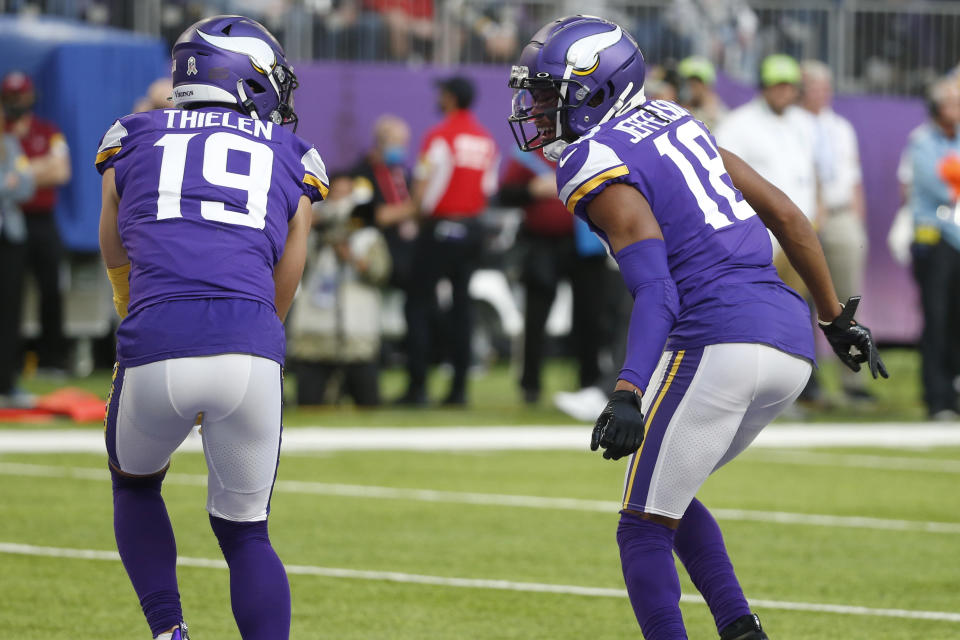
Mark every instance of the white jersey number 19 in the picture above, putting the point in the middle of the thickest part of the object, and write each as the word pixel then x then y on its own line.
pixel 215 149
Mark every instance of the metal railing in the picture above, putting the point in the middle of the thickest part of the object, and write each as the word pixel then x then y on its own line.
pixel 876 46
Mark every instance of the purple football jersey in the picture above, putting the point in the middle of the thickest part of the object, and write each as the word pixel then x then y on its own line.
pixel 718 251
pixel 206 196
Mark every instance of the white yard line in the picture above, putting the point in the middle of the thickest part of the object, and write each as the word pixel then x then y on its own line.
pixel 474 583
pixel 858 461
pixel 886 435
pixel 498 499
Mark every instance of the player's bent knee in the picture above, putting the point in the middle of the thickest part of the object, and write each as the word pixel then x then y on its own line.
pixel 642 534
pixel 238 507
pixel 239 497
pixel 671 523
pixel 230 533
pixel 123 480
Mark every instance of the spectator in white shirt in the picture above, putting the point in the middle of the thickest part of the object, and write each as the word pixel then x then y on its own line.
pixel 842 231
pixel 776 138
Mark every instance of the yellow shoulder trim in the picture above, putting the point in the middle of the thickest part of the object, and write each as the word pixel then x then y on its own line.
pixel 314 181
pixel 103 155
pixel 593 183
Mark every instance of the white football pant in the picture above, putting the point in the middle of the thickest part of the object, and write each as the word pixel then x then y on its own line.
pixel 703 407
pixel 153 408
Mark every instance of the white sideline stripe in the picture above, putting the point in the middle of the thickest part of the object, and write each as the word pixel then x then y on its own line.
pixel 499 499
pixel 885 463
pixel 474 583
pixel 886 435
pixel 855 522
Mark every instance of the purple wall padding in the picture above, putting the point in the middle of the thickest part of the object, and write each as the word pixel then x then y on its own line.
pixel 339 102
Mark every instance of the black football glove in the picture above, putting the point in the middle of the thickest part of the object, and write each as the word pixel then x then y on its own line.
pixel 852 342
pixel 619 429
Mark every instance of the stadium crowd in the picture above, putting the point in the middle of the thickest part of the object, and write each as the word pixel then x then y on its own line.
pixel 897 48
pixel 468 209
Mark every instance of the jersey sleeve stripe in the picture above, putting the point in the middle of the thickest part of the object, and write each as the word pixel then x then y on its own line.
pixel 593 183
pixel 314 181
pixel 103 155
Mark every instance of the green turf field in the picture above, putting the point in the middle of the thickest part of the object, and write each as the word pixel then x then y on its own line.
pixel 495 397
pixel 885 553
pixel 871 565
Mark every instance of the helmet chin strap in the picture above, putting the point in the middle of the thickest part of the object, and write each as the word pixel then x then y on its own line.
pixel 245 102
pixel 554 150
pixel 622 105
pixel 275 116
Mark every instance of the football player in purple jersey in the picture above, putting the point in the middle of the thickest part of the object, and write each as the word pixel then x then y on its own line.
pixel 718 346
pixel 206 210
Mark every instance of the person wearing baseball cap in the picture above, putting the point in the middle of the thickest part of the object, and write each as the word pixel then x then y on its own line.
pixel 696 91
pixel 455 175
pixel 777 138
pixel 16 186
pixel 780 77
pixel 774 135
pixel 49 156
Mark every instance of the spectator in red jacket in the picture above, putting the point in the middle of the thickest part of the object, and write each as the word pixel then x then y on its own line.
pixel 49 157
pixel 16 187
pixel 455 174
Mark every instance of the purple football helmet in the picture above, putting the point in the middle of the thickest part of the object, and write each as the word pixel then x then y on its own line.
pixel 576 72
pixel 234 60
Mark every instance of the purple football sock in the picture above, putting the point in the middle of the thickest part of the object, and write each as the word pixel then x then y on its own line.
pixel 147 547
pixel 259 591
pixel 699 545
pixel 646 554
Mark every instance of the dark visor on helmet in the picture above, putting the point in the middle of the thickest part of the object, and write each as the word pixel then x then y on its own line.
pixel 537 105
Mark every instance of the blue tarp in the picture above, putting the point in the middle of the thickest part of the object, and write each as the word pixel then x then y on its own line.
pixel 86 77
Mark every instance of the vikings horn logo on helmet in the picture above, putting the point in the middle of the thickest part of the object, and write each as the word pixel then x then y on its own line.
pixel 584 54
pixel 261 54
